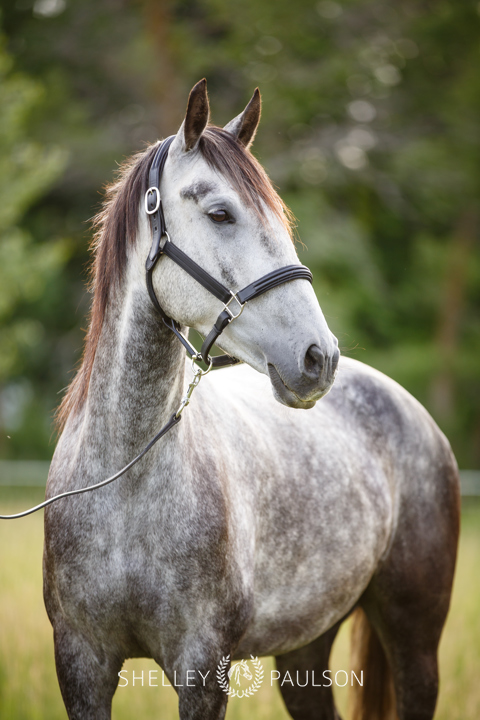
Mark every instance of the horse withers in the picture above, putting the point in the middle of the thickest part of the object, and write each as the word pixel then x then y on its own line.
pixel 252 528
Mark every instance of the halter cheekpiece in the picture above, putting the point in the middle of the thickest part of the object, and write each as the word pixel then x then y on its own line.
pixel 233 303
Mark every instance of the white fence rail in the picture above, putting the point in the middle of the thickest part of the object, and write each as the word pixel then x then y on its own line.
pixel 33 473
pixel 24 473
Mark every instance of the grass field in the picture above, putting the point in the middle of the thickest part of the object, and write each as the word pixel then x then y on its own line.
pixel 28 685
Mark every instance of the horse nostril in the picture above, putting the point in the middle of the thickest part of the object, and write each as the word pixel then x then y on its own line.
pixel 335 359
pixel 314 362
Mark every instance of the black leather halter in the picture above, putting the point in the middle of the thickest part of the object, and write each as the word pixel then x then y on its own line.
pixel 153 207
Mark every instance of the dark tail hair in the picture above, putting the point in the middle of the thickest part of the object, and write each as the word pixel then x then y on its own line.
pixel 376 699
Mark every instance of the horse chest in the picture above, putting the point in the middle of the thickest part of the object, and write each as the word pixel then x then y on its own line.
pixel 148 559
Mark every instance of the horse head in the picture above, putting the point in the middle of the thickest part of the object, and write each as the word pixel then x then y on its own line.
pixel 240 669
pixel 222 211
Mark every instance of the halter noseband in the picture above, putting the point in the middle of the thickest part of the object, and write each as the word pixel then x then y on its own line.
pixel 153 208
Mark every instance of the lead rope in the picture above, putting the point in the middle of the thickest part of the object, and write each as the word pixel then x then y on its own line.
pixel 198 373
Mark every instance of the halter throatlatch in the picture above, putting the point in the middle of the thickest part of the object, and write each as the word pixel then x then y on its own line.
pixel 233 303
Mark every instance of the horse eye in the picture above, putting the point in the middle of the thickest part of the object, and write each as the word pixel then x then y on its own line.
pixel 219 216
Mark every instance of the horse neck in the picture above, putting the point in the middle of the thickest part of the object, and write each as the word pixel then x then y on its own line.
pixel 137 377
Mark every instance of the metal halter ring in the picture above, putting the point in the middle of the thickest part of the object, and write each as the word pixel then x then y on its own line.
pixel 157 204
pixel 198 370
pixel 232 316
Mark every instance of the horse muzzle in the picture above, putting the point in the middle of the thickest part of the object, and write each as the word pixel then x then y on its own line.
pixel 317 370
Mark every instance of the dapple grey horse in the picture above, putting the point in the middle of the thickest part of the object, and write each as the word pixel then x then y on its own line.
pixel 254 527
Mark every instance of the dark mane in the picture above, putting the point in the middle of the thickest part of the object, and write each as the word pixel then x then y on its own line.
pixel 115 227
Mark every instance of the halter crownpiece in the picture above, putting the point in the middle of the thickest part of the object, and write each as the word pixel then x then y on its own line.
pixel 154 208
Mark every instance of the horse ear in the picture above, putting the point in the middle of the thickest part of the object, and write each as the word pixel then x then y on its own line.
pixel 197 115
pixel 244 126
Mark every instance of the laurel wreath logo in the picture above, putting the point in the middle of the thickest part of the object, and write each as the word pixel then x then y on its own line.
pixel 251 689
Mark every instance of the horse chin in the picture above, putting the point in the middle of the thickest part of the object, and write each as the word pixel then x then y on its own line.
pixel 283 394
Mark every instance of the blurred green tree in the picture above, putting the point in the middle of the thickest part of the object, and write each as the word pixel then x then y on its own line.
pixel 370 129
pixel 27 170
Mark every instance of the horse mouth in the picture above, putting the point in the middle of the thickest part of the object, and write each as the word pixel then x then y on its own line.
pixel 283 394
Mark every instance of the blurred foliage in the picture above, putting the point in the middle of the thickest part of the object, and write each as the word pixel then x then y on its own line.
pixel 27 169
pixel 369 128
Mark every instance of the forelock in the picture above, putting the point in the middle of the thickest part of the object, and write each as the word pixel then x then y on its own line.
pixel 243 171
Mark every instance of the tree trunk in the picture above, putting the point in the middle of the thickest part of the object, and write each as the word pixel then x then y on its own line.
pixel 449 327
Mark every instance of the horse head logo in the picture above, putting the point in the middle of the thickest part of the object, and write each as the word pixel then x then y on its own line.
pixel 240 669
pixel 236 673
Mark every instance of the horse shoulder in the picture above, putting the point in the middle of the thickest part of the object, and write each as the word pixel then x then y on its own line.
pixel 389 417
pixel 416 456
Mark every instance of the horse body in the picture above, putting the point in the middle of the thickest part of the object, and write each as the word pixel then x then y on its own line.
pixel 252 528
